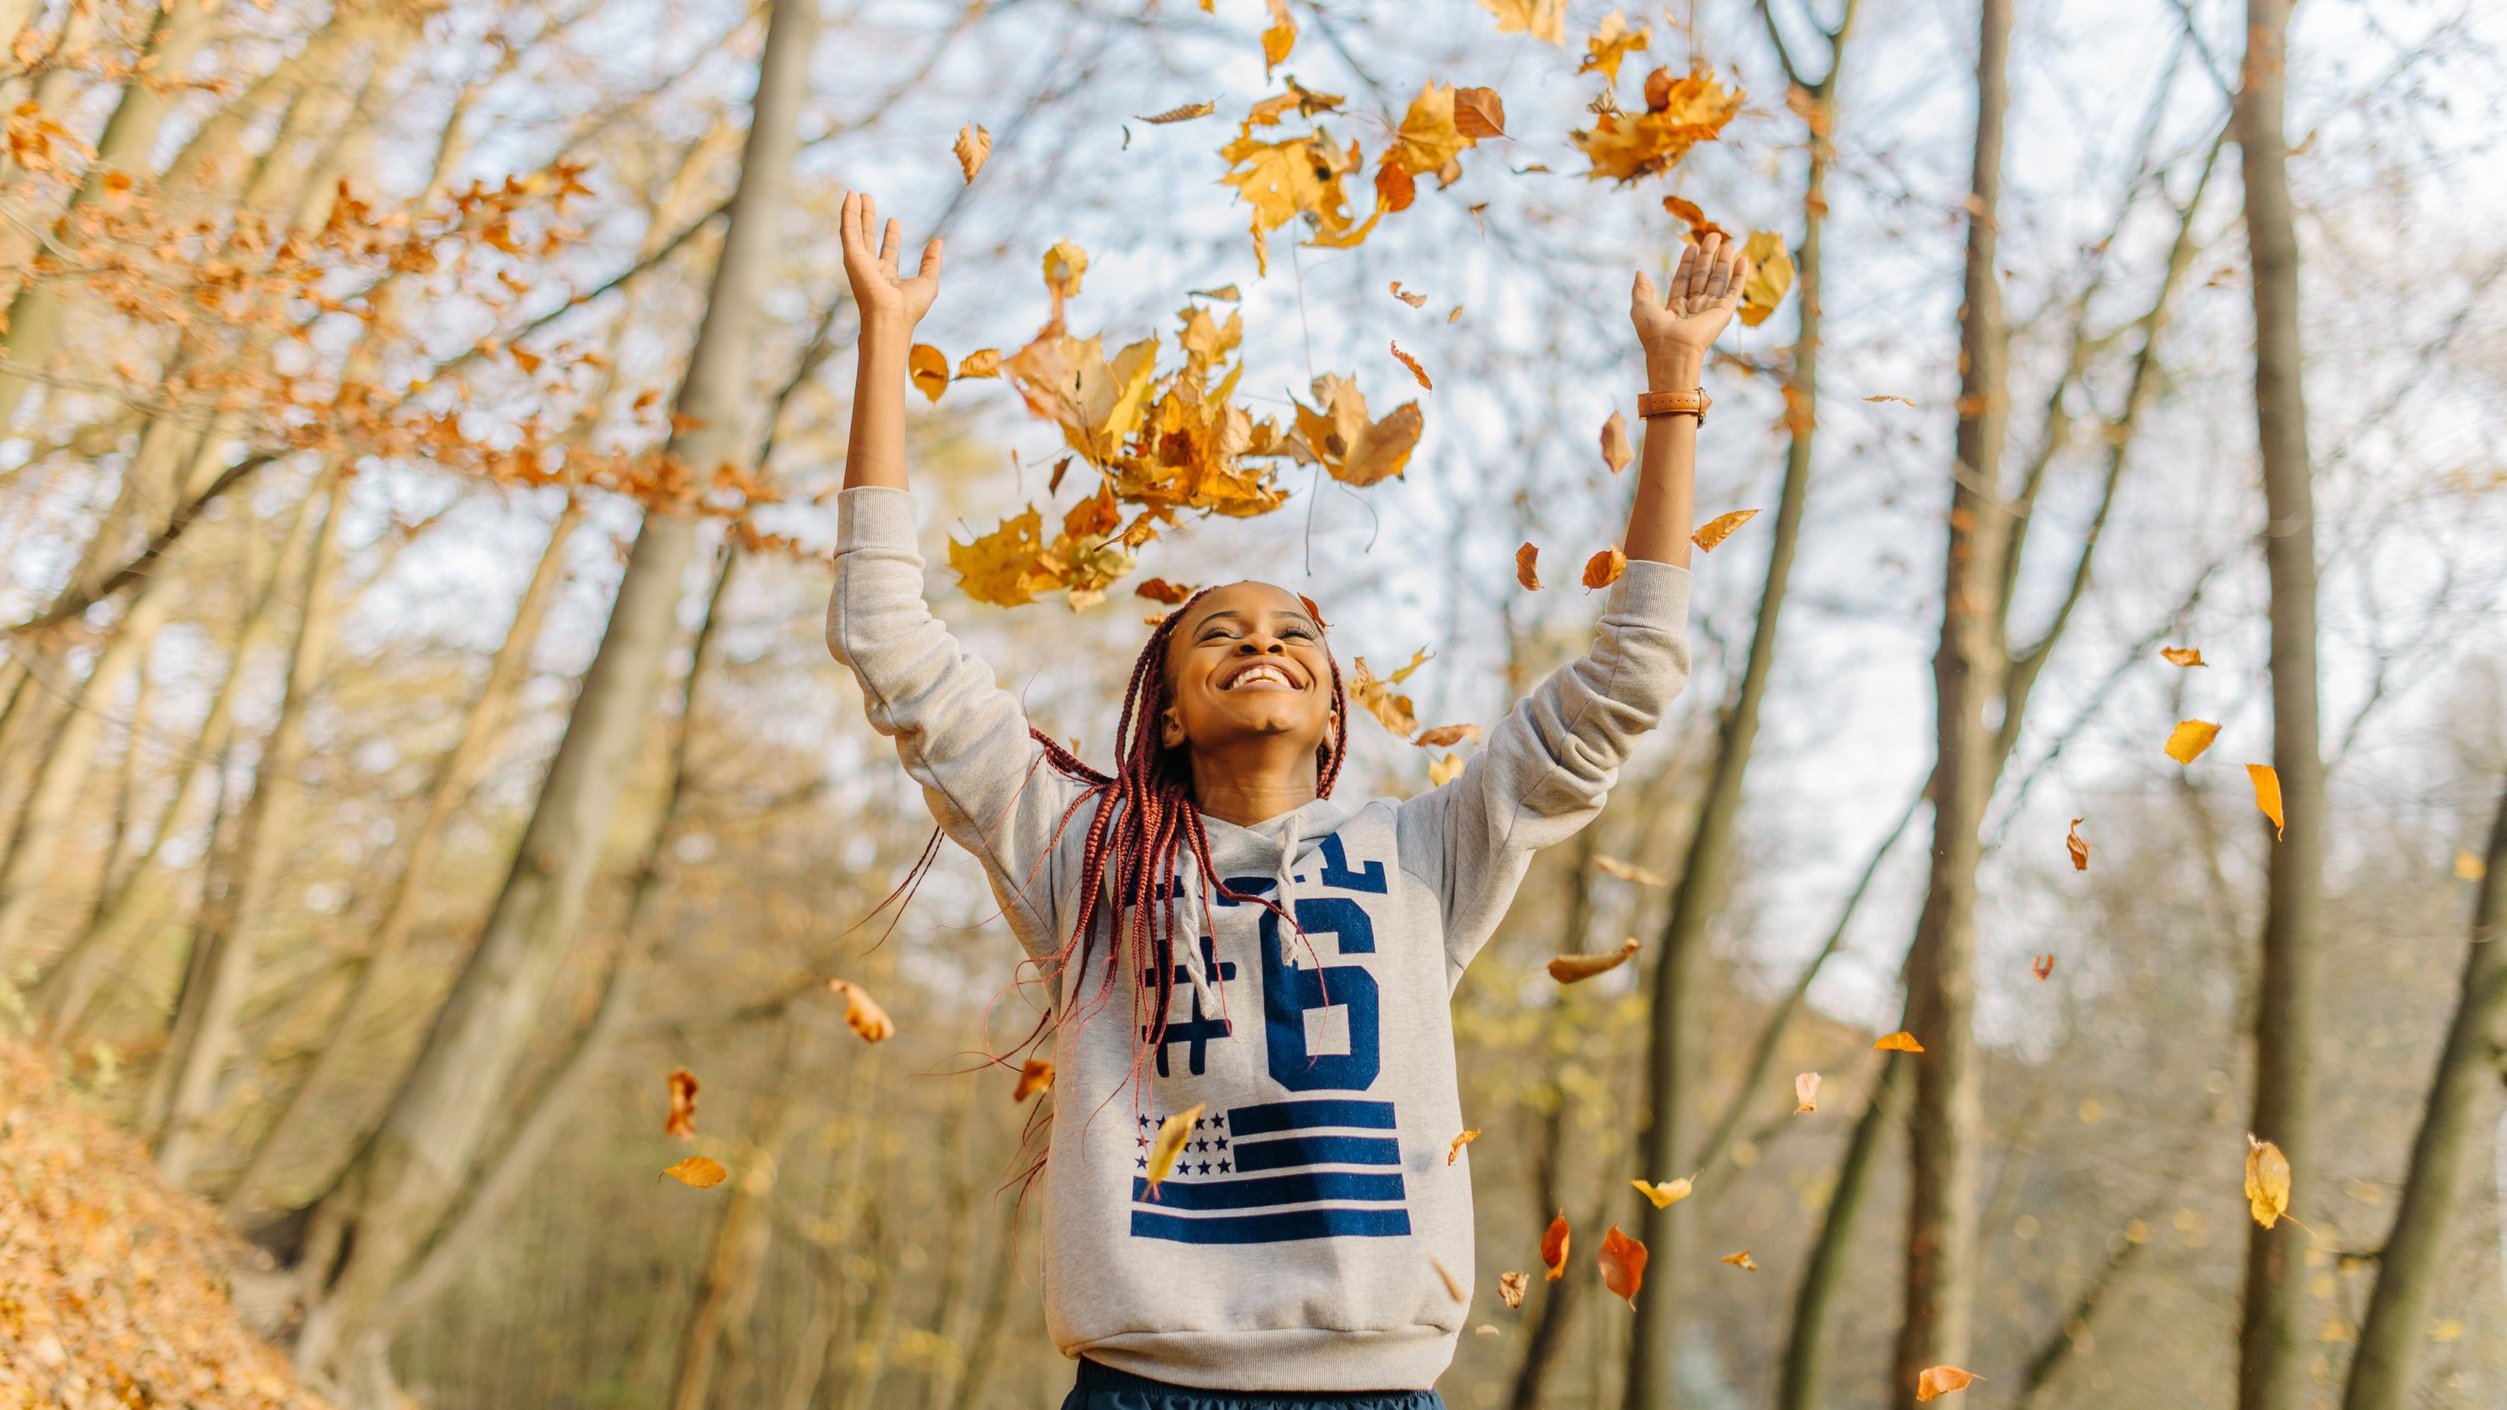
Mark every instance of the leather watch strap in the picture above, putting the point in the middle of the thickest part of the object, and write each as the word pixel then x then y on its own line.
pixel 1692 402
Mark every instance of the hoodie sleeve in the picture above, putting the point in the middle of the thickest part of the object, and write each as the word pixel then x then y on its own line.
pixel 960 735
pixel 1547 768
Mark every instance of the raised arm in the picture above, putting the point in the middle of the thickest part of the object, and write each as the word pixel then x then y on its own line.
pixel 1547 768
pixel 961 736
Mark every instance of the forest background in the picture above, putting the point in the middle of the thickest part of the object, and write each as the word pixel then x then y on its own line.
pixel 417 741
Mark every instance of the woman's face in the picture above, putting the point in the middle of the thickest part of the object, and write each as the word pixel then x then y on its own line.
pixel 1247 661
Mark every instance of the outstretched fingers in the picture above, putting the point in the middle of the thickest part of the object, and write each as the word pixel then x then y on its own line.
pixel 1643 295
pixel 1740 280
pixel 1702 269
pixel 929 266
pixel 1680 275
pixel 889 239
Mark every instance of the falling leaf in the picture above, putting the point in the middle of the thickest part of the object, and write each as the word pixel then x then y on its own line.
pixel 699 1173
pixel 2043 967
pixel 1568 969
pixel 1542 19
pixel 2469 867
pixel 1160 590
pixel 1453 1288
pixel 1527 568
pixel 2077 845
pixel 2182 655
pixel 1454 314
pixel 1035 1076
pixel 1225 293
pixel 1376 697
pixel 1554 1248
pixel 1466 1138
pixel 2190 737
pixel 1064 264
pixel 974 147
pixel 1933 1382
pixel 1616 452
pixel 930 369
pixel 680 1125
pixel 862 1013
pixel 2267 1181
pixel 1884 396
pixel 1512 1286
pixel 1434 133
pixel 1003 567
pixel 1444 769
pixel 1350 446
pixel 1446 736
pixel 1604 568
pixel 1899 1042
pixel 1185 113
pixel 1668 1193
pixel 2267 782
pixel 1279 38
pixel 1805 1093
pixel 1485 1329
pixel 1173 1133
pixel 1719 528
pixel 1623 1264
pixel 1414 300
pixel 1742 1261
pixel 1412 363
pixel 1694 216
pixel 983 362
pixel 1771 274
pixel 1629 871
pixel 1679 114
pixel 1479 113
pixel 1610 43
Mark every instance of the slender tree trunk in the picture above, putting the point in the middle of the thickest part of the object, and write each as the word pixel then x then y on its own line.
pixel 2270 1346
pixel 1805 1382
pixel 370 1229
pixel 187 1085
pixel 737 1263
pixel 1968 672
pixel 2444 1158
pixel 1670 1084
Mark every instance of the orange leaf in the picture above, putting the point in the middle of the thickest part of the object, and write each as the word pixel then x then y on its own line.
pixel 2077 845
pixel 1806 1094
pixel 1479 112
pixel 1036 1076
pixel 2182 655
pixel 1610 43
pixel 1412 363
pixel 2267 1181
pixel 862 1013
pixel 1279 38
pixel 983 362
pixel 698 1172
pixel 1629 871
pixel 1453 1285
pixel 929 367
pixel 1742 1261
pixel 974 147
pixel 1554 1247
pixel 1899 1042
pixel 1719 528
pixel 1616 452
pixel 1445 736
pixel 1185 113
pixel 1933 1382
pixel 1884 396
pixel 1414 300
pixel 1699 226
pixel 1173 1133
pixel 1668 1193
pixel 1512 1285
pixel 1623 1264
pixel 2267 782
pixel 1527 568
pixel 1160 590
pixel 1568 969
pixel 1466 1138
pixel 2043 966
pixel 680 1125
pixel 2190 737
pixel 1395 187
pixel 1604 568
pixel 1064 264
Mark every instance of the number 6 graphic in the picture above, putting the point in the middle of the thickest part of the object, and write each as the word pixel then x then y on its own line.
pixel 1287 993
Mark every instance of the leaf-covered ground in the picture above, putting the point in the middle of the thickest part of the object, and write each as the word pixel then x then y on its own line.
pixel 112 1285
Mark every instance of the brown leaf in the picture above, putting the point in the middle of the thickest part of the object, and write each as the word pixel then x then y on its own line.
pixel 2077 845
pixel 1623 1264
pixel 1512 1285
pixel 1160 590
pixel 680 1125
pixel 974 148
pixel 1934 1382
pixel 1453 1285
pixel 1554 1247
pixel 1616 452
pixel 862 1013
pixel 1479 113
pixel 1412 363
pixel 1899 1042
pixel 2267 1181
pixel 1466 1138
pixel 929 367
pixel 1668 1193
pixel 1353 447
pixel 1629 871
pixel 1414 300
pixel 2190 737
pixel 1884 396
pixel 1036 1076
pixel 1569 969
pixel 1446 736
pixel 1376 697
pixel 1742 1261
pixel 1719 528
pixel 1695 216
pixel 1173 1133
pixel 698 1172
pixel 1604 568
pixel 2182 655
pixel 1184 113
pixel 2267 782
pixel 1805 1093
pixel 1527 568
pixel 2043 966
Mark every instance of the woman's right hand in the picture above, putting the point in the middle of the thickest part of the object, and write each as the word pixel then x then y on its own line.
pixel 871 265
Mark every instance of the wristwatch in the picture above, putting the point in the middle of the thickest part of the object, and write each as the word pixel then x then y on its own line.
pixel 1689 403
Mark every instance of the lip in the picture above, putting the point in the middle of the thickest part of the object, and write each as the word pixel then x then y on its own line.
pixel 1289 677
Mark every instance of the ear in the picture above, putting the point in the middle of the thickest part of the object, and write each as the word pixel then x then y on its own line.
pixel 1170 727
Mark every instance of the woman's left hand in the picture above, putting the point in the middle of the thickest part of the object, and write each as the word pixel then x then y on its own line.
pixel 1705 290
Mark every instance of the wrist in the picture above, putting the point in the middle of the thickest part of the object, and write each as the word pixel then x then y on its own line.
pixel 1672 369
pixel 884 328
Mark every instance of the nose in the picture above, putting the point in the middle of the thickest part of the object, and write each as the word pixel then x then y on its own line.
pixel 1261 644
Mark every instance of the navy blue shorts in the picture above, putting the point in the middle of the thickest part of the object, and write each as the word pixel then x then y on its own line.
pixel 1101 1387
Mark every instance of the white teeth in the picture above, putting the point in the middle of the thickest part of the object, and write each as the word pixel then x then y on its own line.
pixel 1260 673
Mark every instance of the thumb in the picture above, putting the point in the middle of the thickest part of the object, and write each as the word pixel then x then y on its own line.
pixel 1643 293
pixel 929 268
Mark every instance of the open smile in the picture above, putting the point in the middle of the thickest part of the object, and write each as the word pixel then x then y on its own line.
pixel 1263 675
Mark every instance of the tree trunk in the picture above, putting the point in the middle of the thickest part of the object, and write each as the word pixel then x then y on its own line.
pixel 1823 1273
pixel 375 1223
pixel 737 1263
pixel 2270 1344
pixel 1670 1085
pixel 1968 672
pixel 186 1087
pixel 2443 1159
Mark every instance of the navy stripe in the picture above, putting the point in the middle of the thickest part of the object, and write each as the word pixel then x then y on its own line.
pixel 1288 1152
pixel 1305 1187
pixel 1292 1116
pixel 1272 1228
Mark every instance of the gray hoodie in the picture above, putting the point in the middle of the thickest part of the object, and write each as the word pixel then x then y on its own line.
pixel 1311 1235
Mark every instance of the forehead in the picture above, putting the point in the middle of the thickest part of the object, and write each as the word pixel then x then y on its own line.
pixel 1250 600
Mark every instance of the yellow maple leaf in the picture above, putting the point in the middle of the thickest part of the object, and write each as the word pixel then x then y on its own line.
pixel 1291 177
pixel 1098 404
pixel 1004 567
pixel 1279 38
pixel 1771 275
pixel 1542 19
pixel 1350 446
pixel 1679 114
pixel 1610 43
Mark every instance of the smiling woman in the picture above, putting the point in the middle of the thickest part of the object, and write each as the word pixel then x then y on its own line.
pixel 1267 1227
